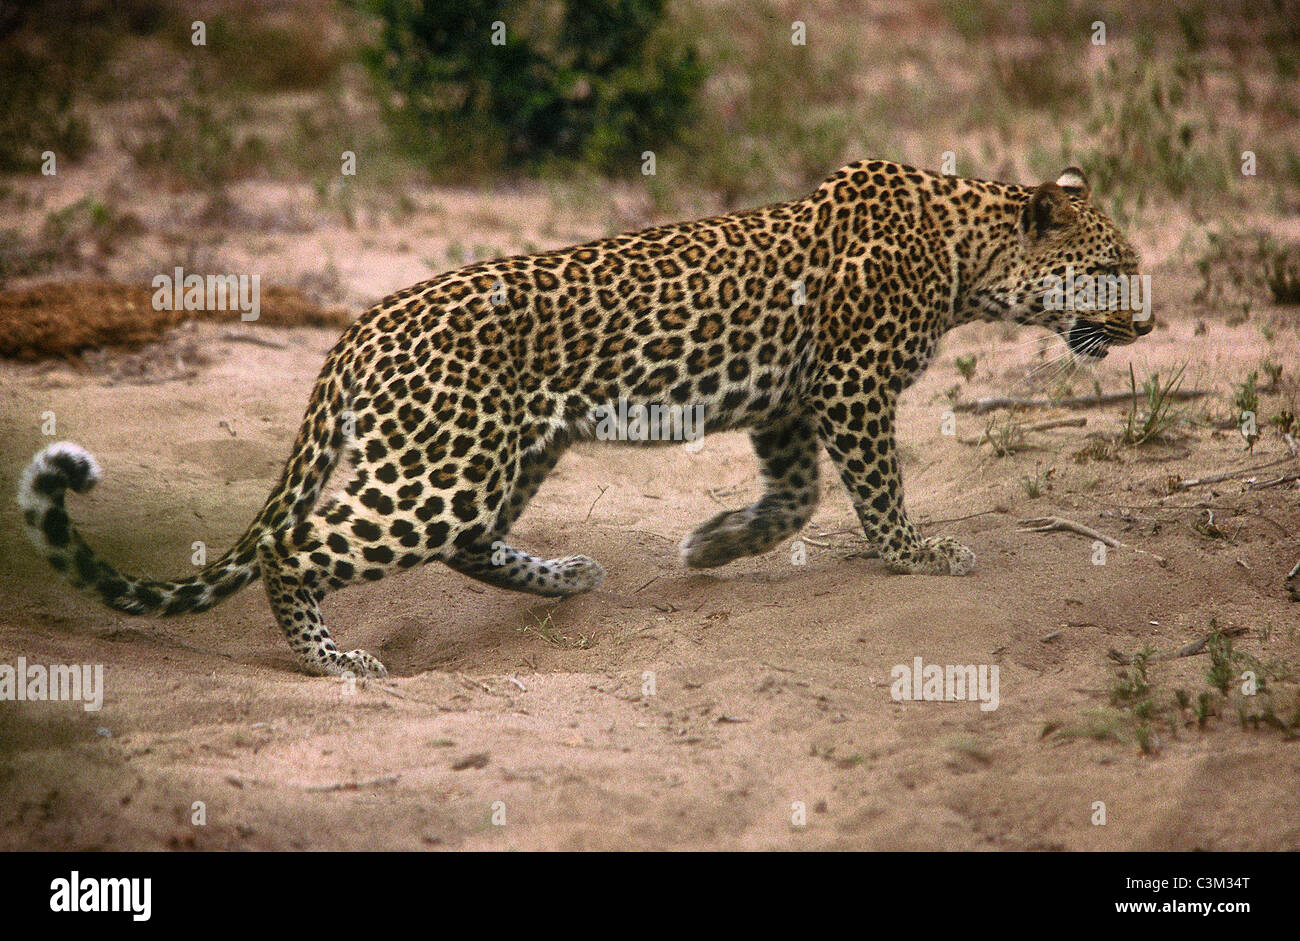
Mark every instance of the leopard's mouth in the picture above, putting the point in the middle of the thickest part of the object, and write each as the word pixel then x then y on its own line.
pixel 1088 341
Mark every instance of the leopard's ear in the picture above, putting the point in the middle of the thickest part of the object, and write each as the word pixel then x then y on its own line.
pixel 1046 210
pixel 1074 182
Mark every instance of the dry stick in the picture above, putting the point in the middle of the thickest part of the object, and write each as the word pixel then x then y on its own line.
pixel 255 340
pixel 1054 524
pixel 1056 423
pixel 1236 510
pixel 988 403
pixel 1191 650
pixel 351 785
pixel 471 683
pixel 1229 475
pixel 1264 485
pixel 595 501
pixel 1293 582
pixel 1036 426
pixel 649 583
pixel 956 519
pixel 646 532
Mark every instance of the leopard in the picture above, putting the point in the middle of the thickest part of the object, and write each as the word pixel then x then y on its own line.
pixel 440 411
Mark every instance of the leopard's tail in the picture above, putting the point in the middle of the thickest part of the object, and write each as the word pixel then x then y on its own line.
pixel 65 466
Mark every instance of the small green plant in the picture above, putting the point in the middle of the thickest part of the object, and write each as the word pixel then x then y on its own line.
pixel 1098 448
pixel 65 235
pixel 1132 684
pixel 966 745
pixel 1139 709
pixel 1282 274
pixel 1245 400
pixel 1204 710
pixel 1146 741
pixel 1099 724
pixel 1245 397
pixel 965 366
pixel 1034 486
pixel 1151 417
pixel 1220 673
pixel 546 630
pixel 1006 437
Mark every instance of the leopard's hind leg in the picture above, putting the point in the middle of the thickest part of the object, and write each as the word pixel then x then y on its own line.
pixel 298 566
pixel 383 519
pixel 497 563
pixel 787 453
pixel 504 566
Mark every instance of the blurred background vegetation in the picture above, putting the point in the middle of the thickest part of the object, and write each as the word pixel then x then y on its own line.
pixel 736 112
pixel 597 81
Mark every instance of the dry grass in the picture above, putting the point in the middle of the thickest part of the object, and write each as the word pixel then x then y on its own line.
pixel 61 320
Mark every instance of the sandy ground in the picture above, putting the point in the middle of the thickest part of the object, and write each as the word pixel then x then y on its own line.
pixel 667 709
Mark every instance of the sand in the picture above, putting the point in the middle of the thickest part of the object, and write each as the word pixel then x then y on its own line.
pixel 744 708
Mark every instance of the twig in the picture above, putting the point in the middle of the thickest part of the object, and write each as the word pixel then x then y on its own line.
pixel 255 340
pixel 1191 650
pixel 988 403
pixel 595 501
pixel 1197 506
pixel 1025 429
pixel 646 532
pixel 1057 423
pixel 1265 484
pixel 1055 524
pixel 1228 475
pixel 956 519
pixel 351 785
pixel 470 682
pixel 649 583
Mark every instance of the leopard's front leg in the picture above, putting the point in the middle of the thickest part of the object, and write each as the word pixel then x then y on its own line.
pixel 858 433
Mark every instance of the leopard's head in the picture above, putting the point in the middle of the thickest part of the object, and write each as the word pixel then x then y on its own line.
pixel 1071 270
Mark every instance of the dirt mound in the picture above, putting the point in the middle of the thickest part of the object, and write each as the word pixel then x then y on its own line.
pixel 63 319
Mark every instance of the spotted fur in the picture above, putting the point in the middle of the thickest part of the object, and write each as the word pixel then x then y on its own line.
pixel 443 408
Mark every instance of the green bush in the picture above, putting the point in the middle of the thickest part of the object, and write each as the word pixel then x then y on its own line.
pixel 593 80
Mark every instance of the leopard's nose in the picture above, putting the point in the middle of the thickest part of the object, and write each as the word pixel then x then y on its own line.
pixel 1144 326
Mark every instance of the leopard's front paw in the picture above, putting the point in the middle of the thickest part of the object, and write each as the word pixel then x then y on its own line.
pixel 937 555
pixel 361 664
pixel 575 574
